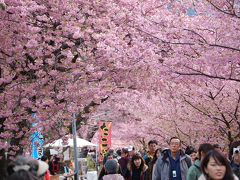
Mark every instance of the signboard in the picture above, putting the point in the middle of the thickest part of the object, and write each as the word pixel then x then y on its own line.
pixel 37 145
pixel 105 135
pixel 36 140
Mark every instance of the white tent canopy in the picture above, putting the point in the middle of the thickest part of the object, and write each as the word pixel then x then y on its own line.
pixel 80 143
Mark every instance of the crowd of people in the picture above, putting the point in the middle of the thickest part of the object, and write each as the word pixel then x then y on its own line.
pixel 172 163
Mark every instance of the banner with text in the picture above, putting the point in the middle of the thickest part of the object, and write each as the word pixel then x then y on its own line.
pixel 105 136
pixel 37 145
pixel 37 139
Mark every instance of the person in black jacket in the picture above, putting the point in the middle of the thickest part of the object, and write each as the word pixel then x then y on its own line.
pixel 123 162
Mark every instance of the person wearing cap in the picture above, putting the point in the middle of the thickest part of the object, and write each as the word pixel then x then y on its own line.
pixel 119 153
pixel 24 168
pixel 131 151
pixel 123 162
pixel 104 172
pixel 111 168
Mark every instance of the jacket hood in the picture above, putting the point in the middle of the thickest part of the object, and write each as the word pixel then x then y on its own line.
pixel 197 163
pixel 113 177
pixel 202 177
pixel 145 167
pixel 166 153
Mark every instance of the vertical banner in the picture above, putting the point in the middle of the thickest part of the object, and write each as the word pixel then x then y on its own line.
pixel 37 145
pixel 36 140
pixel 105 136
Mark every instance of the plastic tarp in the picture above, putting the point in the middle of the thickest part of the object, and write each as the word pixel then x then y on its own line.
pixel 69 142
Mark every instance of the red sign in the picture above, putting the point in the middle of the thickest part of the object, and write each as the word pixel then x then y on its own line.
pixel 105 135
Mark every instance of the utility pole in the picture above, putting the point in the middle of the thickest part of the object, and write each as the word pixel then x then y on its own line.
pixel 74 132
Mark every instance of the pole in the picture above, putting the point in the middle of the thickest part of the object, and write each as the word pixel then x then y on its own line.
pixel 74 132
pixel 96 158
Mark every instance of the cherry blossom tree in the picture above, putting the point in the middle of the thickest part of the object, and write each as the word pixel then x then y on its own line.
pixel 47 52
pixel 160 67
pixel 168 42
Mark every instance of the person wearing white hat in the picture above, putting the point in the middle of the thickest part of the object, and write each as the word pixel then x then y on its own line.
pixel 24 168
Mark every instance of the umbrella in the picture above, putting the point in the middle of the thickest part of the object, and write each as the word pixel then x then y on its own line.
pixel 80 143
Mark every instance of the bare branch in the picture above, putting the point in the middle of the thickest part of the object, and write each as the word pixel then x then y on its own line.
pixel 206 75
pixel 237 106
pixel 225 12
pixel 211 96
pixel 204 113
pixel 194 32
pixel 184 133
pixel 187 43
pixel 224 47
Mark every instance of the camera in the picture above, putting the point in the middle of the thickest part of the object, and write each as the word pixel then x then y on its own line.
pixel 236 150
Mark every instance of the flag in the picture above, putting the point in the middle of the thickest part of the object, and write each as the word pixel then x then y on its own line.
pixel 105 136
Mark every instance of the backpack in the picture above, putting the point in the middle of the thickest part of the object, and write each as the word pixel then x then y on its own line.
pixel 188 161
pixel 197 167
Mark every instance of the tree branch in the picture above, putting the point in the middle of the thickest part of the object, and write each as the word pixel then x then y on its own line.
pixel 225 12
pixel 206 75
pixel 201 111
pixel 237 107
